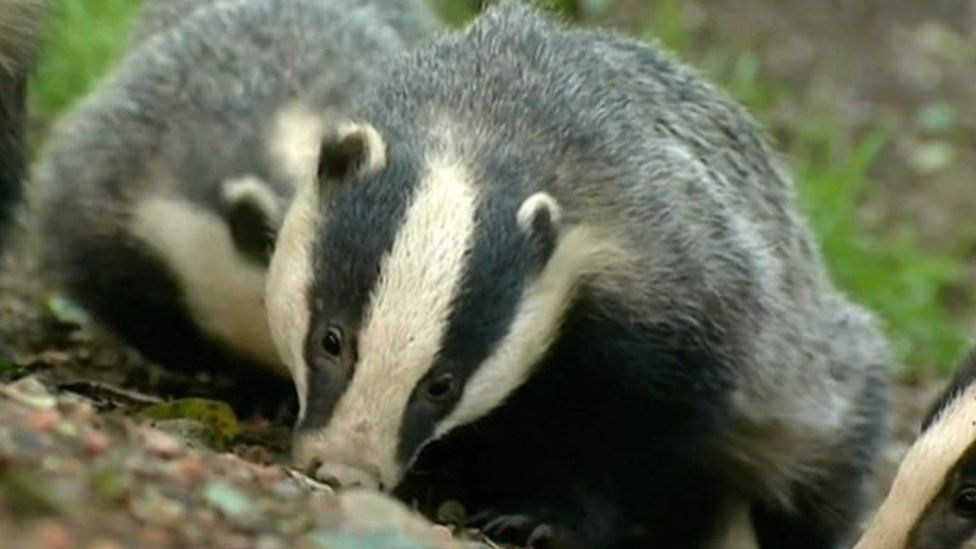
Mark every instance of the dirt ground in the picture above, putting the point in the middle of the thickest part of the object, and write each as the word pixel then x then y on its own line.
pixel 81 465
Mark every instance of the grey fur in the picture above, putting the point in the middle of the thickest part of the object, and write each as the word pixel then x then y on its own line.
pixel 628 140
pixel 191 105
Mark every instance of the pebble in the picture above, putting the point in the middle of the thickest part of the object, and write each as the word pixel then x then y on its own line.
pixel 96 443
pixel 162 444
pixel 43 420
pixel 191 469
pixel 52 535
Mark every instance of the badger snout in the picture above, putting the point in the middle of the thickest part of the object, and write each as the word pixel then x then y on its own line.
pixel 341 475
pixel 334 463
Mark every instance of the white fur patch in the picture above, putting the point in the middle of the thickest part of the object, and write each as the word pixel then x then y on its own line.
pixel 581 250
pixel 403 326
pixel 296 140
pixel 922 473
pixel 289 278
pixel 224 293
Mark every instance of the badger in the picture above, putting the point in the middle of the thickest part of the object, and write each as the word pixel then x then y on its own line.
pixel 18 26
pixel 164 188
pixel 932 501
pixel 554 276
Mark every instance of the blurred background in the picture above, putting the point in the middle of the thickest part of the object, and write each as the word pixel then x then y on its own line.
pixel 870 102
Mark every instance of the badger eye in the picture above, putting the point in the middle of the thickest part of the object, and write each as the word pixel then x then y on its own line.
pixel 965 502
pixel 441 388
pixel 332 341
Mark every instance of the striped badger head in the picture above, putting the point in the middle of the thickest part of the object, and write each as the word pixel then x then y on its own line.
pixel 932 501
pixel 411 292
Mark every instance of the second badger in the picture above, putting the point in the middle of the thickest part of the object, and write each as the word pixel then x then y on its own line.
pixel 556 276
pixel 164 188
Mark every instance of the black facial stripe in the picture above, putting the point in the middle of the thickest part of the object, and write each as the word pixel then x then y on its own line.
pixel 361 219
pixel 481 315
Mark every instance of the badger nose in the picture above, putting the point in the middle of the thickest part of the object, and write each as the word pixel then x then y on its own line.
pixel 340 475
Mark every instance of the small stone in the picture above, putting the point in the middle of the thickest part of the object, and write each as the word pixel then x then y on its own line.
pixel 96 443
pixel 104 544
pixel 286 490
pixel 43 420
pixel 191 469
pixel 163 444
pixel 155 536
pixel 52 535
pixel 268 474
pixel 30 392
pixel 193 432
pixel 227 499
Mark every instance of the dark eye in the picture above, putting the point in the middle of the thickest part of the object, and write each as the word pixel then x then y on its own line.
pixel 441 387
pixel 332 341
pixel 965 503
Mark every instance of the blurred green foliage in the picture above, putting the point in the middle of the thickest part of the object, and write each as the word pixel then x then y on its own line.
pixel 883 267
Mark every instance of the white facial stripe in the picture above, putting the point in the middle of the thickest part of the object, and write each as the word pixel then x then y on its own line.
pixel 296 140
pixel 580 251
pixel 405 322
pixel 922 473
pixel 289 279
pixel 223 292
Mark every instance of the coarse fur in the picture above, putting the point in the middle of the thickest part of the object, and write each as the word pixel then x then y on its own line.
pixel 18 29
pixel 162 191
pixel 576 294
pixel 932 500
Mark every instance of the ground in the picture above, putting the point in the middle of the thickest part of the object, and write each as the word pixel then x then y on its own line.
pixel 870 101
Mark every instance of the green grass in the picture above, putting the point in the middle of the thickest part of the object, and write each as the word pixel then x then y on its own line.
pixel 882 266
pixel 81 39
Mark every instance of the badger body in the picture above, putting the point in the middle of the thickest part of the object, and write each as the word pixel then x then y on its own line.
pixel 163 189
pixel 556 276
pixel 932 501
pixel 18 26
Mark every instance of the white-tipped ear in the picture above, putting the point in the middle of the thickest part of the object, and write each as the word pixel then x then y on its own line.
pixel 253 216
pixel 354 149
pixel 539 218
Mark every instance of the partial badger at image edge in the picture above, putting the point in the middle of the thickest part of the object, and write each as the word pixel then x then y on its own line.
pixel 932 501
pixel 19 20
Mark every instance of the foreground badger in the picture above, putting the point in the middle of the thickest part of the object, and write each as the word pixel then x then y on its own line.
pixel 167 184
pixel 552 274
pixel 18 22
pixel 932 503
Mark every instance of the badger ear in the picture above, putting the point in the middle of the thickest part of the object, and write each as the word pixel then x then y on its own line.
pixel 353 149
pixel 253 216
pixel 539 218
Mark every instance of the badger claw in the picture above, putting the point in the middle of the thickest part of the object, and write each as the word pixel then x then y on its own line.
pixel 517 529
